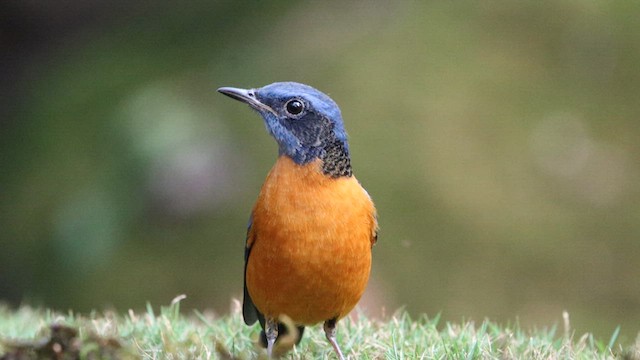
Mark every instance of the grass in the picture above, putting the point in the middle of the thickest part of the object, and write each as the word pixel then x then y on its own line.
pixel 169 334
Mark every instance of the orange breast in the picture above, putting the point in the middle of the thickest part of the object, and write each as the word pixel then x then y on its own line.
pixel 311 244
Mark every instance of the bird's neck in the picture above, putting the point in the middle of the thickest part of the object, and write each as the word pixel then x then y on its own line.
pixel 335 160
pixel 333 156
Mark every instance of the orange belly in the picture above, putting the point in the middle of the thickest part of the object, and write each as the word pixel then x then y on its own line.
pixel 311 241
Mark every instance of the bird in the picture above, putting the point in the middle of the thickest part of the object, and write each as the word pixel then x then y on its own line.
pixel 313 226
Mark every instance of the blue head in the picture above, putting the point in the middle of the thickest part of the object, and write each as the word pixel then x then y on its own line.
pixel 305 122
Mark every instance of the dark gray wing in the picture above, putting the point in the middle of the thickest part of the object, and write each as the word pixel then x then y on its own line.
pixel 249 311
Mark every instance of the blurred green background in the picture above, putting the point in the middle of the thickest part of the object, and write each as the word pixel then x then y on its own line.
pixel 500 141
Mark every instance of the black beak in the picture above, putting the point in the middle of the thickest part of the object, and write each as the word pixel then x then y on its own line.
pixel 247 96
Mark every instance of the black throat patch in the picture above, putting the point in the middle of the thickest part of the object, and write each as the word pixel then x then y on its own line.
pixel 335 160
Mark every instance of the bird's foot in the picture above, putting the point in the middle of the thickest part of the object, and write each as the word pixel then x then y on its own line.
pixel 271 331
pixel 330 332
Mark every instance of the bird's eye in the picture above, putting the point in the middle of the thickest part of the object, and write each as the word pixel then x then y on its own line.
pixel 294 107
